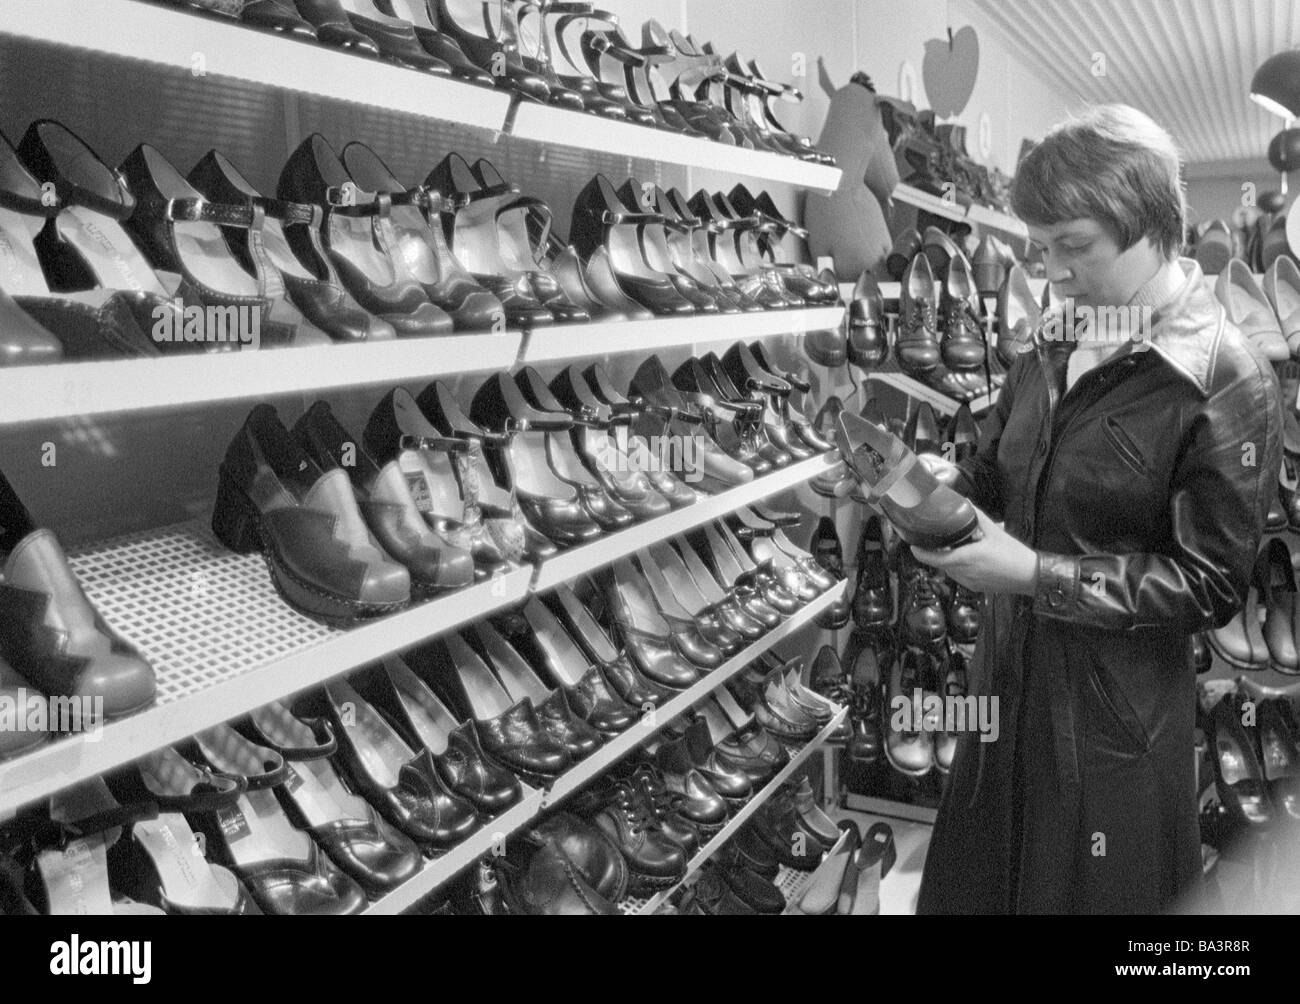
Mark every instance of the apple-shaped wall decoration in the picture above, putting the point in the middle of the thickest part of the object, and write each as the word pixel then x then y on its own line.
pixel 949 71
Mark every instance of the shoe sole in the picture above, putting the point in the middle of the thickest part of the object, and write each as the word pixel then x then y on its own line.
pixel 1235 662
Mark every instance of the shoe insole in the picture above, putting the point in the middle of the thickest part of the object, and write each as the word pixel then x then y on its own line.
pixel 413 234
pixel 282 728
pixel 625 257
pixel 353 238
pixel 20 269
pixel 678 578
pixel 476 240
pixel 704 255
pixel 76 878
pixel 607 456
pixel 203 251
pixel 668 601
pixel 432 721
pixel 166 772
pixel 318 792
pixel 282 256
pixel 433 483
pixel 512 240
pixel 705 580
pixel 380 749
pixel 109 252
pixel 654 248
pixel 565 462
pixel 763 550
pixel 631 589
pixel 728 565
pixel 585 627
pixel 516 676
pixel 487 698
pixel 475 17
pixel 563 655
pixel 186 877
pixel 533 474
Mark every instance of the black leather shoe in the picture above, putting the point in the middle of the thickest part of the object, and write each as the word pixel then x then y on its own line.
pixel 519 458
pixel 402 783
pixel 633 603
pixel 961 318
pixel 509 732
pixel 917 346
pixel 358 235
pixel 1238 774
pixel 416 710
pixel 333 28
pixel 278 16
pixel 868 345
pixel 435 563
pixel 654 861
pixel 397 41
pixel 312 281
pixel 674 757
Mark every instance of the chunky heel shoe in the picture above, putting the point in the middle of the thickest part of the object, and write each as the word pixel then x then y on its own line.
pixel 732 424
pixel 443 471
pixel 180 231
pixel 917 345
pixel 708 604
pixel 312 282
pixel 49 633
pixel 358 235
pixel 697 624
pixel 924 512
pixel 421 15
pixel 868 346
pixel 395 38
pixel 645 636
pixel 640 612
pixel 734 244
pixel 1018 317
pixel 416 217
pixel 658 255
pixel 332 27
pixel 324 563
pixel 961 318
pixel 384 497
pixel 519 457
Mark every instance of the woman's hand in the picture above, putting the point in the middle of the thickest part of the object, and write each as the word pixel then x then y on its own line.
pixel 998 563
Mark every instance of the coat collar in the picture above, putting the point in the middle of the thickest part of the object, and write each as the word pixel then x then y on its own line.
pixel 1185 331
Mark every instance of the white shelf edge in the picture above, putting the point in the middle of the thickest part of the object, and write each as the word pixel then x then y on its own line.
pixel 742 816
pixel 562 127
pixel 940 402
pixel 66 761
pixel 610 338
pixel 974 213
pixel 487 839
pixel 584 558
pixel 624 743
pixel 108 386
pixel 214 46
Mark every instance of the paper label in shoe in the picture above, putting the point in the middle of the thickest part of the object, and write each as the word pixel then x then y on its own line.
pixel 234 826
pixel 420 492
pixel 292 779
pixel 76 878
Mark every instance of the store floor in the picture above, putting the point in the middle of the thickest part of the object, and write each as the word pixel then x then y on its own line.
pixel 900 887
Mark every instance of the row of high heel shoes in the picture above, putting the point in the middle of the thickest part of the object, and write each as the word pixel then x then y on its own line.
pixel 106 262
pixel 430 499
pixel 315 808
pixel 563 53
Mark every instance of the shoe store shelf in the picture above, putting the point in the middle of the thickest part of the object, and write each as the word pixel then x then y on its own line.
pixel 940 402
pixel 221 642
pixel 221 47
pixel 561 127
pixel 610 338
pixel 649 906
pixel 102 387
pixel 978 215
pixel 491 838
pixel 588 557
pixel 652 721
pixel 487 840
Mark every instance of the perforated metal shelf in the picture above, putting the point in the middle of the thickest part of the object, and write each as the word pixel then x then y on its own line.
pixel 652 904
pixel 221 642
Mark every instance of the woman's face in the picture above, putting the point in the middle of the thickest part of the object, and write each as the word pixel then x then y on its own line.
pixel 1085 264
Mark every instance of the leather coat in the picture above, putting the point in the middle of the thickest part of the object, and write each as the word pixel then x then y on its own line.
pixel 1144 489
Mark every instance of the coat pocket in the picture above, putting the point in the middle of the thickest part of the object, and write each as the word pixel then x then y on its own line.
pixel 1123 444
pixel 1113 716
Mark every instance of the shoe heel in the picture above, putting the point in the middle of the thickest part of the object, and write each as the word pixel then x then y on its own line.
pixel 234 520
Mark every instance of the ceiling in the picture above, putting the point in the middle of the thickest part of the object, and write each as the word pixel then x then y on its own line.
pixel 1186 63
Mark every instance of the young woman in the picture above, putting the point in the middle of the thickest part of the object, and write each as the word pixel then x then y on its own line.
pixel 1123 480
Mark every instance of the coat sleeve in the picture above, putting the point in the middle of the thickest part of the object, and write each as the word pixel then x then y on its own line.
pixel 978 477
pixel 1219 501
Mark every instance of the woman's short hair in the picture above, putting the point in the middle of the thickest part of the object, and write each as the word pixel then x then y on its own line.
pixel 1112 164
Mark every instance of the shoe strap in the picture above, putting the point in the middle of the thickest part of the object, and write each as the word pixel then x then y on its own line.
pixel 248 216
pixel 430 200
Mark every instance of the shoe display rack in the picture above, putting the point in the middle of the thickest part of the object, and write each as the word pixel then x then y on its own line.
pixel 133 30
pixel 494 834
pixel 654 903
